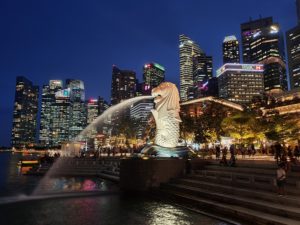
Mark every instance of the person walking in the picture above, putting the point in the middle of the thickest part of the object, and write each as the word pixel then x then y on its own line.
pixel 281 179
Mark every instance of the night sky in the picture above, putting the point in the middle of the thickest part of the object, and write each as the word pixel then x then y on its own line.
pixel 59 39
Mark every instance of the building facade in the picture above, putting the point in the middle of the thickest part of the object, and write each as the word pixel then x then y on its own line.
pixel 78 108
pixel 239 83
pixel 123 85
pixel 48 100
pixel 263 43
pixel 187 50
pixel 153 75
pixel 231 50
pixel 24 127
pixel 293 48
pixel 61 117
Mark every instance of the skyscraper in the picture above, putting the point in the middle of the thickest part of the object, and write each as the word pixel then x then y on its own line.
pixel 153 75
pixel 187 50
pixel 293 48
pixel 123 85
pixel 78 110
pixel 231 50
pixel 92 110
pixel 202 73
pixel 61 117
pixel 25 113
pixel 263 43
pixel 48 100
pixel 240 82
pixel 102 104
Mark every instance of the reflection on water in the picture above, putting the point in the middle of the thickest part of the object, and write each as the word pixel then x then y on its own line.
pixel 104 210
pixel 80 184
pixel 13 182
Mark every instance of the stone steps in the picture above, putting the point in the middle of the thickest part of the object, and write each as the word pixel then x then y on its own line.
pixel 292 179
pixel 257 183
pixel 248 203
pixel 288 200
pixel 229 211
pixel 265 171
pixel 245 193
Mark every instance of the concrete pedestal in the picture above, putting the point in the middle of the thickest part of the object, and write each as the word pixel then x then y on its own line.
pixel 144 174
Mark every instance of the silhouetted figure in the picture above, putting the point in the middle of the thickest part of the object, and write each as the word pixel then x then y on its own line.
pixel 223 161
pixel 218 152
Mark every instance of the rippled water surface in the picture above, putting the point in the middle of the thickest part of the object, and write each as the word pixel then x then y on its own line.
pixel 109 209
pixel 104 209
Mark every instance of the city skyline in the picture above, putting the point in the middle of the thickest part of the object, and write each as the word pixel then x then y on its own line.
pixel 166 52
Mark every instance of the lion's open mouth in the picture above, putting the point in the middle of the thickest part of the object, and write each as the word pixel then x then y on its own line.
pixel 157 97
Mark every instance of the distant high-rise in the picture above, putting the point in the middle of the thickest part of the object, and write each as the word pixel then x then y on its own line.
pixel 293 48
pixel 153 75
pixel 263 43
pixel 78 110
pixel 231 50
pixel 103 105
pixel 61 117
pixel 202 68
pixel 187 50
pixel 240 82
pixel 123 85
pixel 92 110
pixel 48 100
pixel 25 113
pixel 202 73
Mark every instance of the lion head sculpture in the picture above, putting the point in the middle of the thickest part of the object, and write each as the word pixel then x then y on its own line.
pixel 166 114
pixel 166 99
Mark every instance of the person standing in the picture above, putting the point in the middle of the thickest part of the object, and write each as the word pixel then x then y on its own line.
pixel 281 179
pixel 218 152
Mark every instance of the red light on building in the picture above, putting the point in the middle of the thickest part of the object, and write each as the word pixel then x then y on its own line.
pixel 258 67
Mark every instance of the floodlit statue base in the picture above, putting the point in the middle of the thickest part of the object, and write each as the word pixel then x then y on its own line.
pixel 158 151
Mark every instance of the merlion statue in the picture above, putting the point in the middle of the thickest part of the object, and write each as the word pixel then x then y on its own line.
pixel 167 119
pixel 166 114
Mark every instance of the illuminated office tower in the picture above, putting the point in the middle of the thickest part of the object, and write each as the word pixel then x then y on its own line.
pixel 231 50
pixel 102 104
pixel 78 110
pixel 123 85
pixel 240 82
pixel 48 100
pixel 24 127
pixel 92 110
pixel 263 43
pixel 61 114
pixel 153 75
pixel 187 50
pixel 293 48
